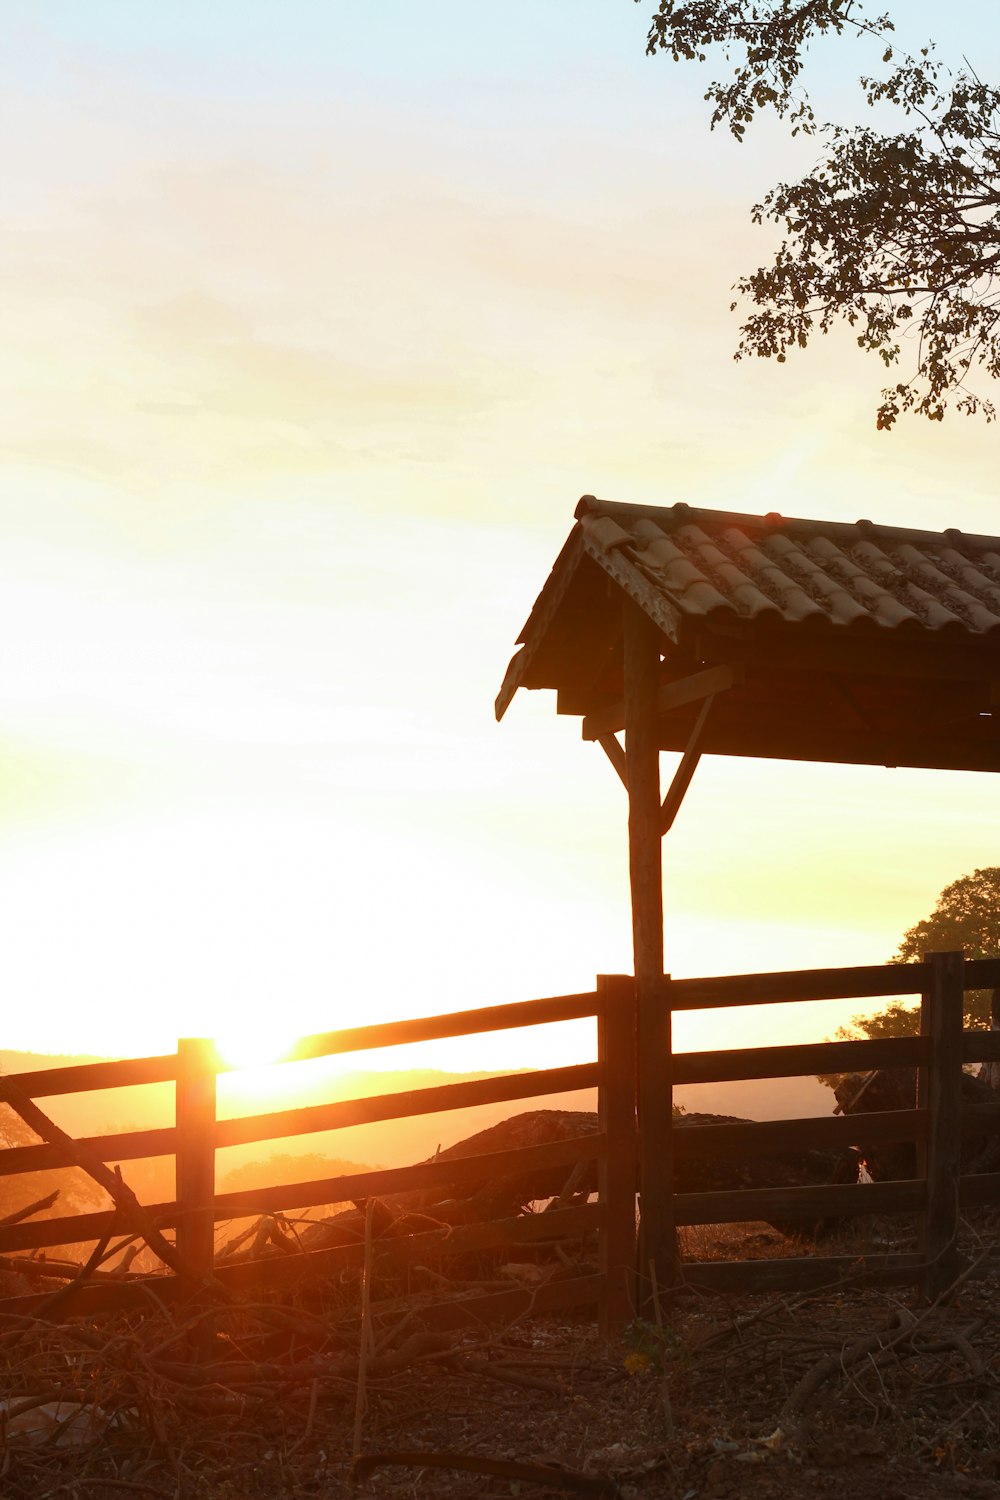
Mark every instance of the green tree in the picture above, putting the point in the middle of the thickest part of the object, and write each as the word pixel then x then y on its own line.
pixel 896 230
pixel 967 916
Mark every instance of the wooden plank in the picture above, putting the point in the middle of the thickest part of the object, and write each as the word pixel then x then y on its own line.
pixel 863 655
pixel 831 1200
pixel 665 698
pixel 764 1137
pixel 141 1294
pixel 801 1273
pixel 980 1046
pixel 150 1292
pixel 134 1072
pixel 810 738
pixel 979 1189
pixel 134 1145
pixel 642 659
pixel 980 1119
pixel 657 1239
pixel 792 1274
pixel 677 789
pixel 432 1174
pixel 943 1014
pixel 346 1112
pixel 131 1145
pixel 542 1012
pixel 195 1158
pixel 856 983
pixel 982 973
pixel 763 1276
pixel 72 1229
pixel 799 1060
pixel 616 1108
pixel 400 1251
pixel 922 1088
pixel 612 747
pixel 84 1078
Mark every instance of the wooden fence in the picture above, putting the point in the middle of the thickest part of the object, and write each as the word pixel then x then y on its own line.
pixel 197 1135
pixel 936 1123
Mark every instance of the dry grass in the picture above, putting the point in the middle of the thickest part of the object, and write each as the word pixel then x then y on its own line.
pixel 259 1401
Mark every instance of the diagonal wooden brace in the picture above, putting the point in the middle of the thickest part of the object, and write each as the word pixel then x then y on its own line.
pixel 682 776
pixel 612 747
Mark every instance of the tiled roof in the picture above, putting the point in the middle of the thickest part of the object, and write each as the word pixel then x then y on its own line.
pixel 851 641
pixel 767 570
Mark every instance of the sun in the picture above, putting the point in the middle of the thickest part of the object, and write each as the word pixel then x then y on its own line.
pixel 257 1046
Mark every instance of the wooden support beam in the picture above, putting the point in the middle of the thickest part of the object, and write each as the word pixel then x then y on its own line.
pixel 642 760
pixel 689 764
pixel 974 746
pixel 942 1014
pixel 616 1050
pixel 877 654
pixel 195 1159
pixel 612 747
pixel 657 1237
pixel 668 697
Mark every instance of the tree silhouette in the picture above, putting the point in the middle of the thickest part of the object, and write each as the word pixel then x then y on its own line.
pixel 894 231
pixel 967 916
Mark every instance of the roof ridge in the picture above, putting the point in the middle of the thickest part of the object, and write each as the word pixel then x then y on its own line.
pixel 681 513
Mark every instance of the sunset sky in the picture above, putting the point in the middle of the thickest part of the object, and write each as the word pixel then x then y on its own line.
pixel 318 319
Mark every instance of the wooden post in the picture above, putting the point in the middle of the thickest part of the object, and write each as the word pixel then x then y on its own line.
pixel 989 1072
pixel 945 1007
pixel 657 1237
pixel 923 1085
pixel 617 1176
pixel 195 1159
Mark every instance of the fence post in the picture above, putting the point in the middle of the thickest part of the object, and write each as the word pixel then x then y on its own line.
pixel 923 1084
pixel 195 1154
pixel 616 1055
pixel 942 1012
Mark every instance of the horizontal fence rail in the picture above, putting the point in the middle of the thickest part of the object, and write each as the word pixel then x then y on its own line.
pixel 785 986
pixel 317 1191
pixel 136 1145
pixel 800 1060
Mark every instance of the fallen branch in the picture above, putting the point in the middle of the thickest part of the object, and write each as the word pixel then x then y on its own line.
pixel 547 1474
pixel 134 1486
pixel 37 1207
pixel 896 1337
pixel 471 1365
pixel 83 1275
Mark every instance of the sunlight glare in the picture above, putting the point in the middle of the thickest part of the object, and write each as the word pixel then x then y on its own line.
pixel 259 1046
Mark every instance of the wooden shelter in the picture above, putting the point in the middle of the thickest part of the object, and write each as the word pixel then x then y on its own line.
pixel 710 632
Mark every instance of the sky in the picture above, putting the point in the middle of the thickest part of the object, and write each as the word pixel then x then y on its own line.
pixel 317 320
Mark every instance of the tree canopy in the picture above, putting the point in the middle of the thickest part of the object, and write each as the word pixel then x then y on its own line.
pixel 896 230
pixel 967 916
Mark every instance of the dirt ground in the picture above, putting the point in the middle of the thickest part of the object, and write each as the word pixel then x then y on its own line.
pixel 849 1390
pixel 702 1410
